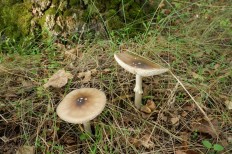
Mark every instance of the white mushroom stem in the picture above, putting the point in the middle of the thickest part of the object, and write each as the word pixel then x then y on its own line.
pixel 87 127
pixel 138 91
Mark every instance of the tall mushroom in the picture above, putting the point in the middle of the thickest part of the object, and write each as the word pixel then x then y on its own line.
pixel 141 67
pixel 82 105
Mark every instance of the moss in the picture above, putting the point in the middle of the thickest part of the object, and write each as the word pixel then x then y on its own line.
pixel 16 19
pixel 55 2
pixel 73 2
pixel 111 13
pixel 135 11
pixel 115 23
pixel 68 12
pixel 57 29
pixel 113 4
pixel 52 11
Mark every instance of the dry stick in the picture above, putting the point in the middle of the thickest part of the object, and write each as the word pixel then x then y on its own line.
pixel 3 118
pixel 199 107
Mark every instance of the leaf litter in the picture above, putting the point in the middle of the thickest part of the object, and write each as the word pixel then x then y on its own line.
pixel 59 79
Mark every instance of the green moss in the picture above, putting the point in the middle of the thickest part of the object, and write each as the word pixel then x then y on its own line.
pixel 52 11
pixel 135 11
pixel 111 13
pixel 73 2
pixel 113 4
pixel 68 13
pixel 57 28
pixel 115 23
pixel 55 2
pixel 16 19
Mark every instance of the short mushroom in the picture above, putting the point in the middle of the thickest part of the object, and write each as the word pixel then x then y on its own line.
pixel 139 66
pixel 82 105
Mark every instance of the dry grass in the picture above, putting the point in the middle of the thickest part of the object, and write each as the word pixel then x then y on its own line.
pixel 199 54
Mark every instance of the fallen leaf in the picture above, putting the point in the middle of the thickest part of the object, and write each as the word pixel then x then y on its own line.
pixel 135 142
pixel 26 150
pixel 203 126
pixel 145 109
pixel 185 137
pixel 106 71
pixel 151 105
pixel 72 53
pixel 59 79
pixel 175 120
pixel 86 75
pixel 93 71
pixel 216 66
pixel 146 141
pixel 60 46
pixel 197 76
pixel 192 152
pixel 228 104
pixel 184 114
pixel 162 117
pixel 189 107
pixel 198 54
pixel 180 152
pixel 145 115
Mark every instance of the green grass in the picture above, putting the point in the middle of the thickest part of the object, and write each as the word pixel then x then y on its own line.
pixel 196 49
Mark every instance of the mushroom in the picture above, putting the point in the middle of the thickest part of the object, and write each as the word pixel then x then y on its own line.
pixel 141 67
pixel 82 105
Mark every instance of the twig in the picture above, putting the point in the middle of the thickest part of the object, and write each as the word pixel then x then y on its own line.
pixel 197 104
pixel 3 118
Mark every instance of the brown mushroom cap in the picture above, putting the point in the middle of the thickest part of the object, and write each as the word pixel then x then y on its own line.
pixel 138 65
pixel 81 105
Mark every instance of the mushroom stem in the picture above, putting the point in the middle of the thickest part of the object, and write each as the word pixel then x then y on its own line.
pixel 87 127
pixel 138 91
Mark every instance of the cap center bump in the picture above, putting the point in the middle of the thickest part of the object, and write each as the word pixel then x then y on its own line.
pixel 137 63
pixel 80 101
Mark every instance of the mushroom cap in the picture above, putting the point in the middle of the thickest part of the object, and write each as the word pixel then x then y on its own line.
pixel 81 105
pixel 138 65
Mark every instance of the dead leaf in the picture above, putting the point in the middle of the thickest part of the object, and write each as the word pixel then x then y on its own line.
pixel 135 142
pixel 151 105
pixel 186 152
pixel 162 117
pixel 216 66
pixel 26 150
pixel 145 109
pixel 72 53
pixel 93 71
pixel 189 107
pixel 86 75
pixel 228 104
pixel 180 152
pixel 175 120
pixel 59 79
pixel 145 115
pixel 198 54
pixel 185 137
pixel 197 76
pixel 184 114
pixel 203 126
pixel 146 141
pixel 106 71
pixel 60 46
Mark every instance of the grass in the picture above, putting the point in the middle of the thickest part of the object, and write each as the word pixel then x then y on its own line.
pixel 194 41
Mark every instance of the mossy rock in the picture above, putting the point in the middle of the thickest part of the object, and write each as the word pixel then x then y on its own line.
pixel 16 15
